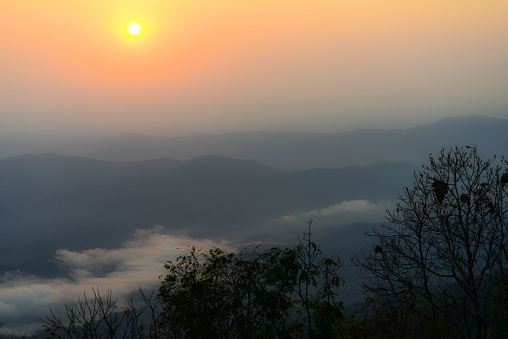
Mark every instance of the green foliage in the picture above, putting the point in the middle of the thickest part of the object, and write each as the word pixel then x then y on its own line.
pixel 407 317
pixel 499 306
pixel 317 287
pixel 275 293
pixel 217 294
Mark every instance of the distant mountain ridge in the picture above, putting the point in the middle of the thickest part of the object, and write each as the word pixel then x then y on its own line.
pixel 285 150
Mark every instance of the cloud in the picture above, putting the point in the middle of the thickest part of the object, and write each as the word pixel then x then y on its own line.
pixel 284 230
pixel 364 207
pixel 139 263
pixel 335 215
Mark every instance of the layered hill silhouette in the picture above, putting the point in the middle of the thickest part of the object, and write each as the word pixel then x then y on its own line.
pixel 50 201
pixel 284 150
pixel 84 200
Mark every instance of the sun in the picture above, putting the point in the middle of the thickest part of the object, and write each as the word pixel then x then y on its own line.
pixel 134 28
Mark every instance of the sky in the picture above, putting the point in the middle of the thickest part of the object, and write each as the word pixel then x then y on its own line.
pixel 203 66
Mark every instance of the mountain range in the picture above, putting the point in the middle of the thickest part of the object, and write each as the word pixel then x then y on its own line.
pixel 285 150
pixel 95 192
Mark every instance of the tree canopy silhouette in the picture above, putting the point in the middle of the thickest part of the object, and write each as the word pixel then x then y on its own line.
pixel 442 259
pixel 276 293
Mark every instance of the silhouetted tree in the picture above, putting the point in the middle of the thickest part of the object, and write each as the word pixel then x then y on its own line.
pixel 272 294
pixel 102 317
pixel 442 259
pixel 317 287
pixel 276 293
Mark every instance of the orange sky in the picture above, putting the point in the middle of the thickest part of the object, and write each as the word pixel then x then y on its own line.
pixel 223 65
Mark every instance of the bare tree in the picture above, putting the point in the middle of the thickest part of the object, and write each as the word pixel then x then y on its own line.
pixel 441 258
pixel 102 317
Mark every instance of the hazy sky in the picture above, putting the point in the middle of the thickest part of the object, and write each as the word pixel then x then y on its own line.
pixel 225 65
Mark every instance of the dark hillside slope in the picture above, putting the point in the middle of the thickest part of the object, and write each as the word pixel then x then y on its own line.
pixel 51 169
pixel 51 201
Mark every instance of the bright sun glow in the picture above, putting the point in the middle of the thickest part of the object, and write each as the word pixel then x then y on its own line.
pixel 134 28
